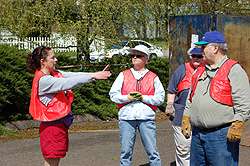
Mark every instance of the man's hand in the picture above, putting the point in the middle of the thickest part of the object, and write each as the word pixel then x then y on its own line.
pixel 186 127
pixel 135 96
pixel 170 111
pixel 235 131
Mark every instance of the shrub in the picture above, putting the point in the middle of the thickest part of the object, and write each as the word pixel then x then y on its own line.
pixel 160 66
pixel 15 84
pixel 93 98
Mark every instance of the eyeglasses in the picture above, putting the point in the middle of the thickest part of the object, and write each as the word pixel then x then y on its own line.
pixel 197 56
pixel 205 45
pixel 42 47
pixel 136 55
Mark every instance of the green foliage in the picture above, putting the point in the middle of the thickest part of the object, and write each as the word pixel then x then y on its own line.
pixel 85 20
pixel 109 19
pixel 160 66
pixel 15 83
pixel 192 7
pixel 66 59
pixel 5 131
pixel 93 98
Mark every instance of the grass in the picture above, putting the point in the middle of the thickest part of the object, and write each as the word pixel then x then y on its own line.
pixel 21 134
pixel 6 134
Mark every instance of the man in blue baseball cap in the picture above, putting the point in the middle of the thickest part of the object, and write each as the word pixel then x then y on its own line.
pixel 217 106
pixel 178 89
pixel 212 37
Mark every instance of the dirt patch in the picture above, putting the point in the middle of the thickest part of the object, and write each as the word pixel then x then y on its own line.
pixel 76 127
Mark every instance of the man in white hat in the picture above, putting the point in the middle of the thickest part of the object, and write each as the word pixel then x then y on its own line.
pixel 138 92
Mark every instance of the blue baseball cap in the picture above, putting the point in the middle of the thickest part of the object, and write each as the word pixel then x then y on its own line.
pixel 196 51
pixel 212 37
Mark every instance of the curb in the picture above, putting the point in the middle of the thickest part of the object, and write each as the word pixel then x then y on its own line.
pixel 26 124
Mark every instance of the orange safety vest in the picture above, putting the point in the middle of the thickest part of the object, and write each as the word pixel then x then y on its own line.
pixel 58 107
pixel 220 88
pixel 145 85
pixel 186 81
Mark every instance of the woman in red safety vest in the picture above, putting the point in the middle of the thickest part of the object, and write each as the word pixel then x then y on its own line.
pixel 51 99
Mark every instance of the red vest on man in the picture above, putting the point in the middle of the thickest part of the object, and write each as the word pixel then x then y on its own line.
pixel 186 81
pixel 58 107
pixel 220 88
pixel 145 86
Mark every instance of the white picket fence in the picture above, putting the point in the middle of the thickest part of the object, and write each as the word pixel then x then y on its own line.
pixel 57 43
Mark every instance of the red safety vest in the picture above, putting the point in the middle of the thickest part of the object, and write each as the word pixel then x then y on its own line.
pixel 220 88
pixel 58 107
pixel 186 81
pixel 145 86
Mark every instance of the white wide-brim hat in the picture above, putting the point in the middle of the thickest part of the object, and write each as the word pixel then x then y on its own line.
pixel 140 48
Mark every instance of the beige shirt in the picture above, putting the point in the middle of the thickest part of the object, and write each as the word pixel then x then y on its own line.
pixel 206 112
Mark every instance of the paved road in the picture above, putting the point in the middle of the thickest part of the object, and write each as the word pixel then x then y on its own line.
pixel 96 148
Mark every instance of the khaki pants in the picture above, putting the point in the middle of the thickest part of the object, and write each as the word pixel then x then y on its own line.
pixel 182 146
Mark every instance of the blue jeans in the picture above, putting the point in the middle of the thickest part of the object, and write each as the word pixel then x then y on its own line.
pixel 127 138
pixel 213 148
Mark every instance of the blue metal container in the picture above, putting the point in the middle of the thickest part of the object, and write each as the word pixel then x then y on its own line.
pixel 184 29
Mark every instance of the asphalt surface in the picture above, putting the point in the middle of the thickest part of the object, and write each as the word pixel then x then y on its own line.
pixel 97 148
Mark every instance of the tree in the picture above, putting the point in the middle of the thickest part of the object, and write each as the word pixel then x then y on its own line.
pixel 186 7
pixel 88 20
pixel 85 19
pixel 212 7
